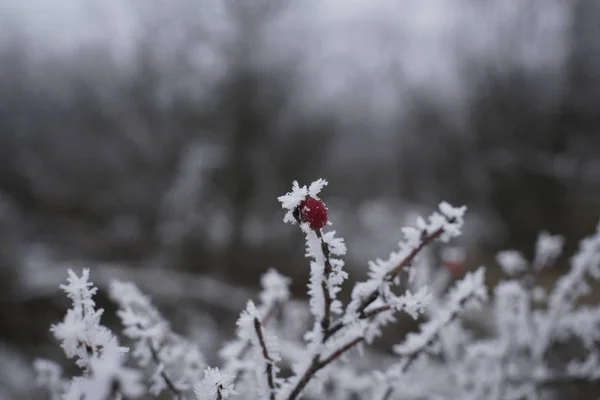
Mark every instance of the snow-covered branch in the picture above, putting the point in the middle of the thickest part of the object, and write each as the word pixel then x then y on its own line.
pixel 93 346
pixel 287 349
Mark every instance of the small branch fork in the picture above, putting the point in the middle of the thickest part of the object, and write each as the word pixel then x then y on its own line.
pixel 163 374
pixel 268 360
pixel 328 331
pixel 268 315
pixel 426 240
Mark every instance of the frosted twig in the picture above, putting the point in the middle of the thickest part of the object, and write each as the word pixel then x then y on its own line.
pixel 328 300
pixel 163 374
pixel 268 360
pixel 426 239
pixel 265 320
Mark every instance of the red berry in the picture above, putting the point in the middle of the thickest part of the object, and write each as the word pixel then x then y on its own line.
pixel 313 212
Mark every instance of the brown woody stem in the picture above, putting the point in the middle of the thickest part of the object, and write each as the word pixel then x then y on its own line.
pixel 317 364
pixel 324 285
pixel 268 359
pixel 328 331
pixel 163 374
pixel 427 239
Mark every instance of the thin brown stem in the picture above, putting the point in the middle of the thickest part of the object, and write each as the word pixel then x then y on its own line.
pixel 328 331
pixel 310 371
pixel 268 315
pixel 415 354
pixel 317 364
pixel 336 354
pixel 375 311
pixel 163 374
pixel 426 240
pixel 268 360
pixel 387 394
pixel 366 315
pixel 325 321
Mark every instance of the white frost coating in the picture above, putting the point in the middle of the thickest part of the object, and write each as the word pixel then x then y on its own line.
pixel 154 342
pixel 547 249
pixel 413 304
pixel 48 375
pixel 247 331
pixel 568 289
pixel 275 289
pixel 215 382
pixel 94 346
pixel 449 220
pixel 453 220
pixel 317 275
pixel 470 291
pixel 512 309
pixel 583 324
pixel 512 261
pixel 106 374
pixel 81 334
pixel 274 294
pixel 589 368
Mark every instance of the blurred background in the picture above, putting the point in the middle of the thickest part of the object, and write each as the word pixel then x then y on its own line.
pixel 149 140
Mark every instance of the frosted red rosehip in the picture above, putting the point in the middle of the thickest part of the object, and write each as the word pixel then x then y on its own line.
pixel 313 212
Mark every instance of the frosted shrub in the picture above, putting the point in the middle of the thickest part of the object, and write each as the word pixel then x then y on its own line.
pixel 285 351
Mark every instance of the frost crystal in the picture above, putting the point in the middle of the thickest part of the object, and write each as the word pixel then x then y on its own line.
pixel 48 375
pixel 175 359
pixel 445 224
pixel 414 304
pixel 513 312
pixel 94 346
pixel 275 289
pixel 470 291
pixel 215 384
pixel 81 333
pixel 511 261
pixel 265 348
pixel 547 249
pixel 107 373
